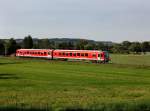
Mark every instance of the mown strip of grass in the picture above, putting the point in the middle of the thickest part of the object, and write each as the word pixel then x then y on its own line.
pixel 131 59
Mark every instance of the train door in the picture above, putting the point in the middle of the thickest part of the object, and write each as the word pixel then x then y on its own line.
pixel 99 56
pixel 102 57
pixel 49 54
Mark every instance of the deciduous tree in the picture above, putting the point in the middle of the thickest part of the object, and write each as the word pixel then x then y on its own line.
pixel 28 42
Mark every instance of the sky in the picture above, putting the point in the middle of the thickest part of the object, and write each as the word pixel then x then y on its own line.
pixel 102 20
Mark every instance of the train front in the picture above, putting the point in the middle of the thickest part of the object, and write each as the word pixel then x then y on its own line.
pixel 105 57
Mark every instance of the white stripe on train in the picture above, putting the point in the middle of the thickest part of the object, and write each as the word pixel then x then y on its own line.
pixel 55 57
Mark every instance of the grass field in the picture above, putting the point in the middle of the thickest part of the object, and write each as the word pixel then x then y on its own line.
pixel 34 84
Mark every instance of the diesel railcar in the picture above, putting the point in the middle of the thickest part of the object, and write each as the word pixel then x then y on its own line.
pixel 93 55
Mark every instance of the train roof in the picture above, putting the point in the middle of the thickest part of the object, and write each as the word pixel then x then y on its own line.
pixel 35 49
pixel 63 50
pixel 78 50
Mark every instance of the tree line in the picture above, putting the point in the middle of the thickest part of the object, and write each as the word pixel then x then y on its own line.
pixel 8 47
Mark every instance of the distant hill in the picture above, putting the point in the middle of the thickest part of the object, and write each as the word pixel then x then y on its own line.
pixel 72 40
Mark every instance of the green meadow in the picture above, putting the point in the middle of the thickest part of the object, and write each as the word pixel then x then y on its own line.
pixel 36 84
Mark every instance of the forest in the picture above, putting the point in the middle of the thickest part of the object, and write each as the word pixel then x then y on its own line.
pixel 9 46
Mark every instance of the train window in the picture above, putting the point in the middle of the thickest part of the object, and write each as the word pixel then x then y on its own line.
pixel 55 53
pixel 44 53
pixel 66 54
pixel 78 54
pixel 35 52
pixel 82 54
pixel 94 55
pixel 28 52
pixel 70 54
pixel 86 54
pixel 98 55
pixel 74 54
pixel 60 54
pixel 49 53
pixel 63 53
pixel 38 52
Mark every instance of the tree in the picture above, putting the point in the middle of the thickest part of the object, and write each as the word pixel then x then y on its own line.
pixel 135 47
pixel 90 46
pixel 11 46
pixel 118 48
pixel 36 45
pixel 52 45
pixel 28 42
pixel 145 46
pixel 81 44
pixel 70 45
pixel 100 46
pixel 44 44
pixel 126 45
pixel 2 48
pixel 63 45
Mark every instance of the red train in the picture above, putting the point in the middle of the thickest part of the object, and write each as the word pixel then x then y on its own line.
pixel 93 55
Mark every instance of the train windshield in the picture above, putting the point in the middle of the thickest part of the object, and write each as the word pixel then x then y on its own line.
pixel 106 54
